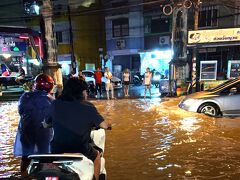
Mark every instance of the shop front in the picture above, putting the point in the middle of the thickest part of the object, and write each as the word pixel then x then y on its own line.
pixel 20 51
pixel 218 57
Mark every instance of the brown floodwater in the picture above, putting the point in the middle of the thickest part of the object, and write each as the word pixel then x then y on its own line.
pixel 151 139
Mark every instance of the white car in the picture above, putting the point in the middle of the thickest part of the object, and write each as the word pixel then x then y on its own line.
pixel 221 100
pixel 89 75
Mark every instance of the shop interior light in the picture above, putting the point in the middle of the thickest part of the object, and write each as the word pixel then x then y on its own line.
pixel 5 55
pixel 23 37
pixel 36 8
pixel 168 54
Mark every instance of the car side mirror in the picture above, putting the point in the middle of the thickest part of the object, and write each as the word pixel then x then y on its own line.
pixel 233 90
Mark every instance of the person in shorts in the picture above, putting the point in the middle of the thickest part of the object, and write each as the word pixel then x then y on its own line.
pixel 147 82
pixel 109 84
pixel 72 119
pixel 126 81
pixel 98 80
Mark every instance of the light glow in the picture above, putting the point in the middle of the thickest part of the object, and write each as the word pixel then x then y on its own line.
pixel 34 61
pixel 156 60
pixel 4 49
pixel 36 8
pixel 5 55
pixel 23 37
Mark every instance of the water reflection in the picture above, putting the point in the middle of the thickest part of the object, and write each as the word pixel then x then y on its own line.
pixel 151 139
pixel 189 124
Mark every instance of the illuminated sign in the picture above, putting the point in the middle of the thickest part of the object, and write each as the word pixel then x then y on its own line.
pixel 214 36
pixel 4 49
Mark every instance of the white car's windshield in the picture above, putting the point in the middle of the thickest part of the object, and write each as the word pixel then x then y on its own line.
pixel 222 85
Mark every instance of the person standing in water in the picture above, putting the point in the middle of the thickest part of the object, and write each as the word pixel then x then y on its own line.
pixel 147 82
pixel 126 82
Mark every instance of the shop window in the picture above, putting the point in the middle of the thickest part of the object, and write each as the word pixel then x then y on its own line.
pixel 208 16
pixel 90 67
pixel 160 25
pixel 233 69
pixel 120 27
pixel 208 70
pixel 31 7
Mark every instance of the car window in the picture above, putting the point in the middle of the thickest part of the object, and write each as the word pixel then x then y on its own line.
pixel 222 85
pixel 227 90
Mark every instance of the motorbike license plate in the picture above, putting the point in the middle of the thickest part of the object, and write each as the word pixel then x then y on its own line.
pixel 51 178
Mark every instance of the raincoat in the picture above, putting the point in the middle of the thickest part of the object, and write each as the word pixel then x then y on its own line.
pixel 32 138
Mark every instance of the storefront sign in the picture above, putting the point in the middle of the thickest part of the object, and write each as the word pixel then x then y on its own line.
pixel 214 36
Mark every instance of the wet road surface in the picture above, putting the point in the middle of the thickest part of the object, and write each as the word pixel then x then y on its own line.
pixel 151 139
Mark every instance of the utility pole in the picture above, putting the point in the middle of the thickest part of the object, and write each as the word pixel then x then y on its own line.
pixel 195 79
pixel 50 65
pixel 73 59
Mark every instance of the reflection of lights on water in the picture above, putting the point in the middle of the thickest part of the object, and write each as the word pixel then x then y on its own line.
pixel 189 124
pixel 188 173
pixel 168 166
pixel 8 117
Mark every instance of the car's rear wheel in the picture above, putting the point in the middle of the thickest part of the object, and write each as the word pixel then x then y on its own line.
pixel 210 109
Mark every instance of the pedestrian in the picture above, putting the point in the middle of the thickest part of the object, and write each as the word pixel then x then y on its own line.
pixel 72 119
pixel 147 82
pixel 108 84
pixel 126 82
pixel 81 75
pixel 98 81
pixel 71 74
pixel 83 78
pixel 33 108
pixel 21 75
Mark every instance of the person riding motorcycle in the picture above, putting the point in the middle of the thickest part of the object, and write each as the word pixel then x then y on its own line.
pixel 33 108
pixel 72 119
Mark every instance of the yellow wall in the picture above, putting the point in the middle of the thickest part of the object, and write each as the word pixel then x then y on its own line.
pixel 63 49
pixel 89 36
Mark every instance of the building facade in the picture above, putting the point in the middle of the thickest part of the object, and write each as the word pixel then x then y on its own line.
pixel 216 40
pixel 124 34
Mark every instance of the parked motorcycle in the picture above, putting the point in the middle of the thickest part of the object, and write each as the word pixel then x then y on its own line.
pixel 68 166
pixel 156 76
pixel 91 88
pixel 138 79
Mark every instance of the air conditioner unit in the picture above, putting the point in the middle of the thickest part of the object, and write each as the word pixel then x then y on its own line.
pixel 120 44
pixel 164 40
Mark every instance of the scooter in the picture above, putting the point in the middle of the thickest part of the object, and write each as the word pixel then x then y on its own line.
pixel 68 166
pixel 137 79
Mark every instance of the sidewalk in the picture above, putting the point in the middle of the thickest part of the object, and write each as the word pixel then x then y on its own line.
pixel 12 93
pixel 134 93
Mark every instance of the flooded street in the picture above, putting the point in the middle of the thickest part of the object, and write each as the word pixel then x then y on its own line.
pixel 150 139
